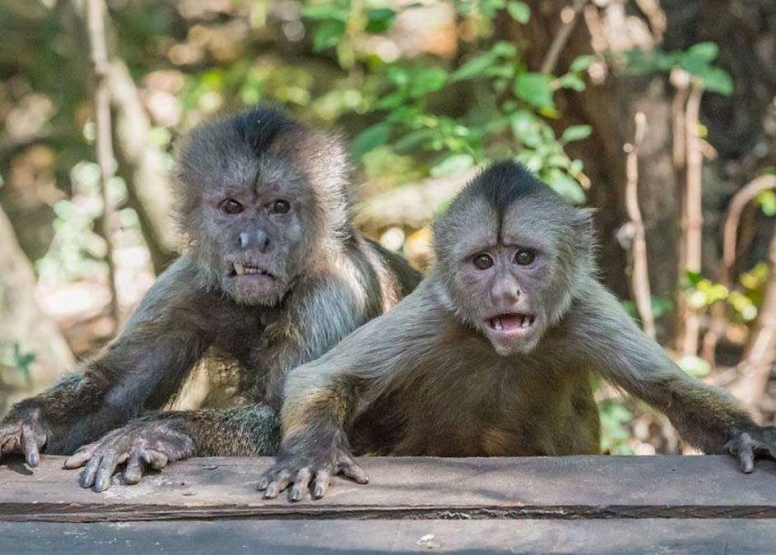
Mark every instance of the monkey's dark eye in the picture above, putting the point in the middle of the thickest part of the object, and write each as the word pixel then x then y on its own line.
pixel 524 257
pixel 281 207
pixel 483 261
pixel 231 206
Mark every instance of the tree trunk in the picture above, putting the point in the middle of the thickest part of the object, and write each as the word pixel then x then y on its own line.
pixel 24 329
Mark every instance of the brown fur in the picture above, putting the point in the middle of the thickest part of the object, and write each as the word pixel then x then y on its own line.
pixel 319 280
pixel 437 375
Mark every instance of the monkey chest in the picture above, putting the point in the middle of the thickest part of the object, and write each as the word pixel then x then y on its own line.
pixel 491 416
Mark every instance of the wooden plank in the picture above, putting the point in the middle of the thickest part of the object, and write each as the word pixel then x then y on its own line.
pixel 410 488
pixel 480 537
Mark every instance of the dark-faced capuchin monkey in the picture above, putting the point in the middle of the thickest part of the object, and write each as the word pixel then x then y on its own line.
pixel 274 276
pixel 493 354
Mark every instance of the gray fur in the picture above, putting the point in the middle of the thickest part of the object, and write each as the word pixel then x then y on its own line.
pixel 326 281
pixel 434 377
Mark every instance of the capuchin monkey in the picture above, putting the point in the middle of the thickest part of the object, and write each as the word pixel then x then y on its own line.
pixel 493 354
pixel 272 277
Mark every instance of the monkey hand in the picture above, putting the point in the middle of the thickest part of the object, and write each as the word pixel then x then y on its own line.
pixel 754 441
pixel 309 468
pixel 147 442
pixel 23 431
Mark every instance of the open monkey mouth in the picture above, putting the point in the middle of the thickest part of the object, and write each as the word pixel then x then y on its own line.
pixel 248 270
pixel 512 324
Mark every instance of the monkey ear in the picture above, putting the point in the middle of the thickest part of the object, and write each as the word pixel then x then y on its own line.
pixel 583 222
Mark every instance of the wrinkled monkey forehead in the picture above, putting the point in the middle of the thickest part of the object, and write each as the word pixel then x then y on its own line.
pixel 537 221
pixel 528 222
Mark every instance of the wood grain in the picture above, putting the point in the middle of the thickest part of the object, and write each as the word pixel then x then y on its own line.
pixel 585 487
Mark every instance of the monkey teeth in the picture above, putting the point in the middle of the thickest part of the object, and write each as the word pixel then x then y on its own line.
pixel 241 270
pixel 512 322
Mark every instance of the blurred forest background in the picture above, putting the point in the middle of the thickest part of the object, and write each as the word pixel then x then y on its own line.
pixel 660 113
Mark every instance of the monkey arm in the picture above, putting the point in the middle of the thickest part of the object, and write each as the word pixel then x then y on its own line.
pixel 139 370
pixel 323 397
pixel 706 416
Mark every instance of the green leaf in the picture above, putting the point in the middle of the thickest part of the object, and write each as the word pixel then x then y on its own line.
pixel 693 278
pixel 399 76
pixel 582 63
pixel 707 51
pixel 486 64
pixel 414 139
pixel 717 80
pixel 575 133
pixel 453 164
pixel 519 11
pixel 379 20
pixel 328 34
pixel 326 11
pixel 371 138
pixel 535 88
pixel 474 67
pixel 427 81
pixel 565 186
pixel 504 49
pixel 767 202
pixel 571 81
pixel 392 100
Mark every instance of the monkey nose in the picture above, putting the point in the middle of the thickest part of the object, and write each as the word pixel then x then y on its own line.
pixel 254 239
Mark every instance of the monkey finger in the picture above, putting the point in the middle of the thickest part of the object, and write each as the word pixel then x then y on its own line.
pixel 107 469
pixel 30 446
pixel 746 460
pixel 86 478
pixel 352 470
pixel 136 466
pixel 155 459
pixel 277 485
pixel 81 456
pixel 321 483
pixel 301 481
pixel 263 483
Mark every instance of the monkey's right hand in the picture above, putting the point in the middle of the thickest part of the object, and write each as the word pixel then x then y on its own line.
pixel 313 468
pixel 23 431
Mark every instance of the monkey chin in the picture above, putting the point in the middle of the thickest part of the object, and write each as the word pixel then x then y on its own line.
pixel 508 337
pixel 255 290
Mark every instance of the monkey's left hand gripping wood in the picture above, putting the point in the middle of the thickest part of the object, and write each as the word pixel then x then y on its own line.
pixel 581 504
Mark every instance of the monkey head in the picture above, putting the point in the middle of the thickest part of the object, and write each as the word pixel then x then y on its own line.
pixel 262 201
pixel 510 256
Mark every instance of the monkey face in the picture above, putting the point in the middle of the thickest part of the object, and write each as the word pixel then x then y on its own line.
pixel 263 231
pixel 510 256
pixel 261 200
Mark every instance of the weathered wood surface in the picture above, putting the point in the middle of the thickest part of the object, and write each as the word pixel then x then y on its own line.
pixel 410 488
pixel 318 537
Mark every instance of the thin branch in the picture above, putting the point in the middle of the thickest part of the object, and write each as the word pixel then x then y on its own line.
pixel 692 219
pixel 95 17
pixel 639 271
pixel 560 40
pixel 729 246
pixel 755 368
pixel 411 205
pixel 730 230
pixel 142 165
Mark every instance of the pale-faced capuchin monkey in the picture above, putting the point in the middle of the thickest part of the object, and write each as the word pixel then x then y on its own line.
pixel 493 354
pixel 273 277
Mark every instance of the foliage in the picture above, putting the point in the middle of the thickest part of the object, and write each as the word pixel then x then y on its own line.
pixel 696 60
pixel 615 435
pixel 412 95
pixel 19 361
